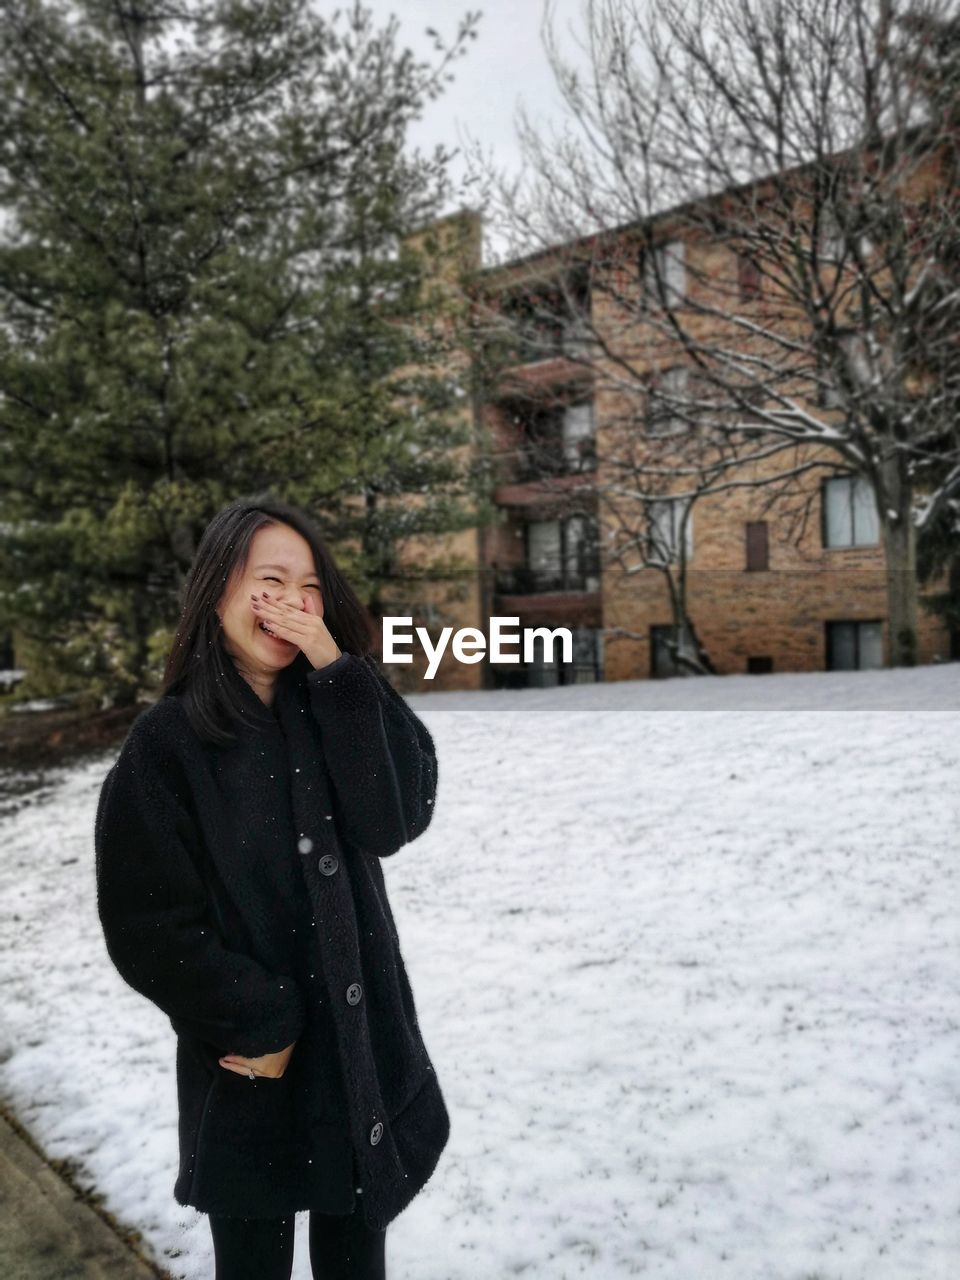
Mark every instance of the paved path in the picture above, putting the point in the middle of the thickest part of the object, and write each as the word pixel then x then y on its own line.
pixel 47 1232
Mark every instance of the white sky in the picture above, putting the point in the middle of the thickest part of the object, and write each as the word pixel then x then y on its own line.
pixel 505 65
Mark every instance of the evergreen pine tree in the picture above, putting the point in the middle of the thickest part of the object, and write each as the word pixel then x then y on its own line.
pixel 207 288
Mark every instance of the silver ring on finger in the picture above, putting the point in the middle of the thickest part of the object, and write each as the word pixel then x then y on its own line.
pixel 251 1075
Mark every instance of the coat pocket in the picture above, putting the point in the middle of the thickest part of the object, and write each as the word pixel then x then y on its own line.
pixel 260 1114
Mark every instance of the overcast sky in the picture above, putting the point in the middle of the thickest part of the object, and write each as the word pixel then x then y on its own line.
pixel 505 65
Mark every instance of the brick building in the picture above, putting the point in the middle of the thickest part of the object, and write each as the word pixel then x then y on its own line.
pixel 766 591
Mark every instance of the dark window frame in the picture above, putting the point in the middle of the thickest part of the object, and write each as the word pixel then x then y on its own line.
pixel 659 292
pixel 541 446
pixel 588 559
pixel 544 311
pixel 656 628
pixel 566 672
pixel 759 664
pixel 851 478
pixel 829 640
pixel 679 547
pixel 749 277
pixel 656 411
pixel 755 552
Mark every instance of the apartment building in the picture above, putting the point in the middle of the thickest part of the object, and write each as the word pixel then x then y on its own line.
pixel 773 583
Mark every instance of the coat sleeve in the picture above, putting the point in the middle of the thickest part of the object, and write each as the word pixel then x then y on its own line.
pixel 379 754
pixel 156 919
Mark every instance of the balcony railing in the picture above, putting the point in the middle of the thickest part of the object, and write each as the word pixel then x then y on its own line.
pixel 544 341
pixel 521 581
pixel 541 462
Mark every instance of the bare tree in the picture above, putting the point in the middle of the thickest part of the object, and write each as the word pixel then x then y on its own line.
pixel 765 201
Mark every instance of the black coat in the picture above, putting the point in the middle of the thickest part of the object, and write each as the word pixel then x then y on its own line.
pixel 240 889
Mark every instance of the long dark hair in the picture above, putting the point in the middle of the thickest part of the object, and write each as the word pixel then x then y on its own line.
pixel 195 664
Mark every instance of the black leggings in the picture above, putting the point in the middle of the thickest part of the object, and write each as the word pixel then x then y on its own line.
pixel 342 1247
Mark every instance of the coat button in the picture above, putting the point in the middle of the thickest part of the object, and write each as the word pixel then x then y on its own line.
pixel 376 1133
pixel 354 992
pixel 328 864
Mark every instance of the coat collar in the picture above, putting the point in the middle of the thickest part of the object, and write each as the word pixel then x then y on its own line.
pixel 290 694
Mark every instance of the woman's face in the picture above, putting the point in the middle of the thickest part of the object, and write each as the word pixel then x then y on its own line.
pixel 280 562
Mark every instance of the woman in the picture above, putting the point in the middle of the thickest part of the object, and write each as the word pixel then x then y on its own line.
pixel 239 837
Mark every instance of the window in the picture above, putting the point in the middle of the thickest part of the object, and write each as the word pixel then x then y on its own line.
pixel 854 646
pixel 544 548
pixel 757 548
pixel 664 273
pixel 666 516
pixel 556 441
pixel 832 242
pixel 581 569
pixel 577 434
pixel 749 277
pixel 665 401
pixel 829 393
pixel 759 665
pixel 585 667
pixel 574 335
pixel 663 648
pixel 562 555
pixel 548 317
pixel 849 510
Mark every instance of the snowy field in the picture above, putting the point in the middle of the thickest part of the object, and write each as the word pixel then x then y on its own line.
pixel 686 960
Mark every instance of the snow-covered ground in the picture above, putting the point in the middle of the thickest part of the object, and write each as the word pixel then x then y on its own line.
pixel 686 960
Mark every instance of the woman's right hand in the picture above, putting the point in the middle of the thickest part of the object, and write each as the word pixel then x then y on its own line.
pixel 271 1065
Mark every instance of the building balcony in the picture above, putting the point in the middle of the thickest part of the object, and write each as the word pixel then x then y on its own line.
pixel 551 608
pixel 521 581
pixel 526 379
pixel 545 463
pixel 542 490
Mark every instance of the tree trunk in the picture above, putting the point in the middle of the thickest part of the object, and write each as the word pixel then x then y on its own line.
pixel 900 548
pixel 692 656
pixel 953 622
pixel 688 652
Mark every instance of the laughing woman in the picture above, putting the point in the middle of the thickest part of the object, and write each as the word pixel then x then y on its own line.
pixel 238 844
